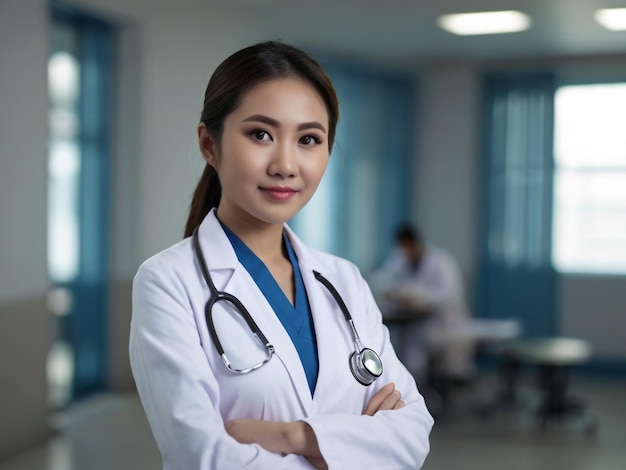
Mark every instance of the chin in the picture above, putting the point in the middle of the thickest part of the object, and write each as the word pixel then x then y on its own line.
pixel 280 216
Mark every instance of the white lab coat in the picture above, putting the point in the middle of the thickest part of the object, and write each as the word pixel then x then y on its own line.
pixel 436 286
pixel 188 393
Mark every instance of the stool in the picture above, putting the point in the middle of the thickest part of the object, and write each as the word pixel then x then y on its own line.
pixel 554 358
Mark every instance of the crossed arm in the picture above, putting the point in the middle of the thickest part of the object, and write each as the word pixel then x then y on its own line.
pixel 297 437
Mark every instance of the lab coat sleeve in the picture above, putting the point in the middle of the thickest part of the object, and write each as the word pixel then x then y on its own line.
pixel 177 386
pixel 394 439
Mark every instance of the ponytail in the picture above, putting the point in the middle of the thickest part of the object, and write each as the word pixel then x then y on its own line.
pixel 205 197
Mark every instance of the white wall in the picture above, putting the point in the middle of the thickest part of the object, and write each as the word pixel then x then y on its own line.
pixel 23 58
pixel 124 230
pixel 24 330
pixel 448 160
pixel 594 308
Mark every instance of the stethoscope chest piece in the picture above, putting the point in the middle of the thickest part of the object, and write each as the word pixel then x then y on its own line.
pixel 365 366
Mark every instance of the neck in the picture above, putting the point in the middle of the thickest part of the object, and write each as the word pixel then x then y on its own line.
pixel 265 240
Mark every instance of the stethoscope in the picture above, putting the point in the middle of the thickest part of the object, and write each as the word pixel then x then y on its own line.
pixel 364 363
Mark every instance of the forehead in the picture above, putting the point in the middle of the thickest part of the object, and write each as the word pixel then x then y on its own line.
pixel 292 93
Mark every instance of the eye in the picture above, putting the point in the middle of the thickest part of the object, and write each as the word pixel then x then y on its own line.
pixel 260 134
pixel 310 140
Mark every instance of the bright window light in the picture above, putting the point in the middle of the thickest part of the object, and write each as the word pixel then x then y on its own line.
pixel 612 18
pixel 589 220
pixel 63 79
pixel 64 163
pixel 488 22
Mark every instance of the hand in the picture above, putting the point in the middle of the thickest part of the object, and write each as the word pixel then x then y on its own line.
pixel 387 398
pixel 295 437
pixel 271 435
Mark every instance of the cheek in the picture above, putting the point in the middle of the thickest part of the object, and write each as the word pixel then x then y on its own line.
pixel 240 164
pixel 317 168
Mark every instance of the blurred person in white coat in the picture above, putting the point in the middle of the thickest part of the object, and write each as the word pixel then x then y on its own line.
pixel 423 279
pixel 250 349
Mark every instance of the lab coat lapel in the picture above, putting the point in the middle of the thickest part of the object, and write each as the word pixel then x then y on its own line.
pixel 243 286
pixel 329 328
pixel 230 276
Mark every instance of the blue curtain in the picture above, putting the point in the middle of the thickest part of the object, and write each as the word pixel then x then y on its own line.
pixel 365 193
pixel 516 277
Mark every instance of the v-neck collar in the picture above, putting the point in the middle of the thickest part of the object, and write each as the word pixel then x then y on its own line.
pixel 288 313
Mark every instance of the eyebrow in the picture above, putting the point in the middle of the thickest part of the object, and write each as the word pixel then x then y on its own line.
pixel 274 123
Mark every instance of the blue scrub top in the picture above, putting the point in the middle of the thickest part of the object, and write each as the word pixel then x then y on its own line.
pixel 297 320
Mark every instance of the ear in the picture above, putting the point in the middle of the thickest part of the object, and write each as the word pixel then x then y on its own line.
pixel 208 145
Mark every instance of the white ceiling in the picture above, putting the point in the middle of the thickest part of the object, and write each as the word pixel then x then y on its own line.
pixel 405 30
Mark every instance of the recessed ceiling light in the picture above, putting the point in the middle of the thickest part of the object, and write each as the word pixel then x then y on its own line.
pixel 488 22
pixel 612 18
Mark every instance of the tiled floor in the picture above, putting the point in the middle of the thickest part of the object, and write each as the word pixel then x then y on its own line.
pixel 108 432
pixel 111 433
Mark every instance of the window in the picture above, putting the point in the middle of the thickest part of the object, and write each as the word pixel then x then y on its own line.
pixel 63 163
pixel 589 214
pixel 80 91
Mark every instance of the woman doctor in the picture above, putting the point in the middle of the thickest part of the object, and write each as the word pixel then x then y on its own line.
pixel 250 349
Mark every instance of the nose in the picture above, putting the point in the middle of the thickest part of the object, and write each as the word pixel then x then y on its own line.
pixel 284 161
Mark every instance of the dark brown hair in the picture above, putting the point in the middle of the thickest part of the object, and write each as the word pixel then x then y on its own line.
pixel 230 81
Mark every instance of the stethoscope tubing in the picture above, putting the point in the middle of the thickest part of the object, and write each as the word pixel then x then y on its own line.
pixel 218 295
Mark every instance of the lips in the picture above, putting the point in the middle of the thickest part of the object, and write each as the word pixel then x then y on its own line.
pixel 279 193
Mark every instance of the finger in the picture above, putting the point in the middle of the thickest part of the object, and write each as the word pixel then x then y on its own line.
pixel 378 398
pixel 399 404
pixel 390 401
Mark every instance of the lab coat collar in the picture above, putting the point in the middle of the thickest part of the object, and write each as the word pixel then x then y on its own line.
pixel 222 255
pixel 211 234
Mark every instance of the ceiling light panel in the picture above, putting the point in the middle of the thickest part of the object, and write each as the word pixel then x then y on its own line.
pixel 488 22
pixel 612 18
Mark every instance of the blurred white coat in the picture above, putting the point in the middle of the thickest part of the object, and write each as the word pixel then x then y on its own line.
pixel 434 287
